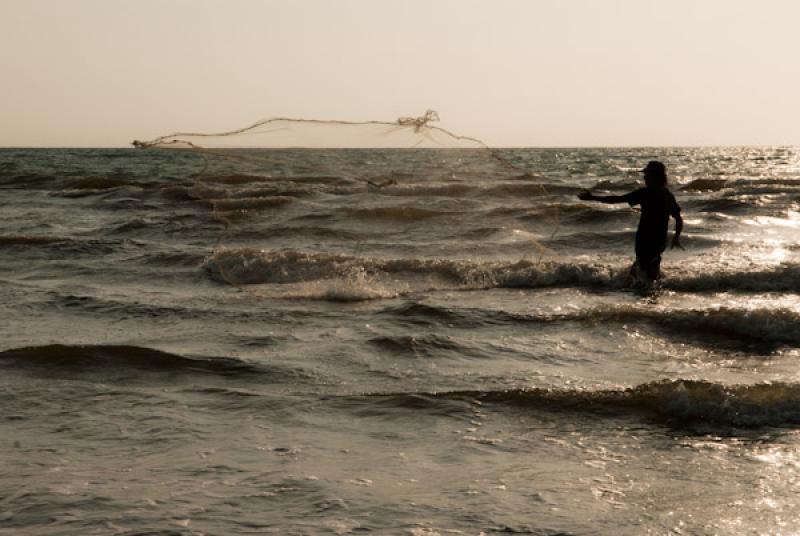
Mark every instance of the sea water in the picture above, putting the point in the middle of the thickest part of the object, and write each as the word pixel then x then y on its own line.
pixel 396 342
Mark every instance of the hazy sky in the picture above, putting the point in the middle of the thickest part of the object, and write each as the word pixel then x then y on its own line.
pixel 532 73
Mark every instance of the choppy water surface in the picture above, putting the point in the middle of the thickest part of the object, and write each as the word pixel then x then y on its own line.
pixel 395 342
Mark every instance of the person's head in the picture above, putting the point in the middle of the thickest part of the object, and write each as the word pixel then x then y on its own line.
pixel 655 174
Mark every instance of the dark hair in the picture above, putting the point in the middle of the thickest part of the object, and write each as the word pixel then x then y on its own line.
pixel 656 170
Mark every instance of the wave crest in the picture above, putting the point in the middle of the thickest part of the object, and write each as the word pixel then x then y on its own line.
pixel 678 402
pixel 396 213
pixel 29 240
pixel 253 266
pixel 783 277
pixel 245 266
pixel 773 326
pixel 96 358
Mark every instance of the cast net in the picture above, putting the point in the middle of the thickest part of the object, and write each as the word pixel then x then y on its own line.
pixel 312 207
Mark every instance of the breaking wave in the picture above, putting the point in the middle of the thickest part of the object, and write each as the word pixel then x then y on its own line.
pixel 246 266
pixel 253 266
pixel 783 277
pixel 774 326
pixel 678 402
pixel 763 325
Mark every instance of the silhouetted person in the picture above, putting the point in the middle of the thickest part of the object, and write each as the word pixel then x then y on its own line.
pixel 658 204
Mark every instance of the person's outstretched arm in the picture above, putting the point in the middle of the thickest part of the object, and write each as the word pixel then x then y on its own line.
pixel 608 199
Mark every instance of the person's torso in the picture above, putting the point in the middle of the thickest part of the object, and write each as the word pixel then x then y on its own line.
pixel 656 206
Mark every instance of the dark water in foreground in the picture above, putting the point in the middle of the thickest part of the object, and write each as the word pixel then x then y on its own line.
pixel 455 351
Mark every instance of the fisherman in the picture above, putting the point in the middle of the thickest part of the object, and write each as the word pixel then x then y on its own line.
pixel 658 204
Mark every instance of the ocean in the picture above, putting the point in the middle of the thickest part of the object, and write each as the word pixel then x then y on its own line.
pixel 413 342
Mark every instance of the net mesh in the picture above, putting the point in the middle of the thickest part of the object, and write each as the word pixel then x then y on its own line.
pixel 260 168
pixel 281 132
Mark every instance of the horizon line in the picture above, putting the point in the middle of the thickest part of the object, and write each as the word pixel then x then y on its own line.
pixel 612 146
